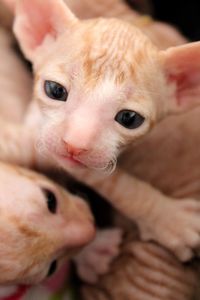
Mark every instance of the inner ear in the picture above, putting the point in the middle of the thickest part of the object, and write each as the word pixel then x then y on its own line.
pixel 187 88
pixel 37 20
pixel 182 68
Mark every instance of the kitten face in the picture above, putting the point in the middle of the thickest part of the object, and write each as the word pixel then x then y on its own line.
pixel 100 84
pixel 98 97
pixel 40 225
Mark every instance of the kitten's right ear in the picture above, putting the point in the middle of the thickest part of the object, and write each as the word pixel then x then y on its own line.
pixel 37 21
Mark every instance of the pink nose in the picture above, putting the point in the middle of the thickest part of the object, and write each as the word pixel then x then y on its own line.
pixel 72 150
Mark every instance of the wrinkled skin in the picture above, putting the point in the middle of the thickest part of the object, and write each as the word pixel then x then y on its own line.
pixel 144 271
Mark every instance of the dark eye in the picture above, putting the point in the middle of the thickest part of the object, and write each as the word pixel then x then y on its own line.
pixel 129 119
pixel 52 268
pixel 55 90
pixel 51 201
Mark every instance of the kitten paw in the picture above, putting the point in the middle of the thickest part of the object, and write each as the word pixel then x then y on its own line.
pixel 95 259
pixel 176 225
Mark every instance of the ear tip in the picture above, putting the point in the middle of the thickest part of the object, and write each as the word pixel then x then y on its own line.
pixel 37 19
pixel 57 5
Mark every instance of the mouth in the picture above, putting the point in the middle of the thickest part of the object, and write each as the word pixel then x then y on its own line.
pixel 72 161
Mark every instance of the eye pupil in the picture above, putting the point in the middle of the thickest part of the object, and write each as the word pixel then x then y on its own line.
pixel 129 119
pixel 51 201
pixel 58 92
pixel 52 268
pixel 55 90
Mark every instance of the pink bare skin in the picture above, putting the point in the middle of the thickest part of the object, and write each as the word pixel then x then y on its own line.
pixel 99 83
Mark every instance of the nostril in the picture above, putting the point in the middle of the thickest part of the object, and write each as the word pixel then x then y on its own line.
pixel 74 151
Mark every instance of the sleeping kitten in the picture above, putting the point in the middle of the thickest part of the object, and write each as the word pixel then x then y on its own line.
pixel 41 224
pixel 100 85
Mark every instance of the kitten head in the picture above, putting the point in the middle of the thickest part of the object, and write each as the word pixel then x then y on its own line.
pixel 100 84
pixel 40 225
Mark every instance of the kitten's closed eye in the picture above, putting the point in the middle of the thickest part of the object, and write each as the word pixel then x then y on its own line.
pixel 55 90
pixel 51 200
pixel 52 268
pixel 129 119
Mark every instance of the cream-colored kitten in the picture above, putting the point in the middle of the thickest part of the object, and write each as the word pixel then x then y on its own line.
pixel 100 85
pixel 41 224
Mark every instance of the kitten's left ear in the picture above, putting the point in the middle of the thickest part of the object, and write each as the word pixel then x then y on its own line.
pixel 39 21
pixel 182 67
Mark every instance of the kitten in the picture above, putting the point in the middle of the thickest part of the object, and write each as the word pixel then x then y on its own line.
pixel 41 224
pixel 101 85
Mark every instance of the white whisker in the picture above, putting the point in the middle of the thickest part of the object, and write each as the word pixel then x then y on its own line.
pixel 107 169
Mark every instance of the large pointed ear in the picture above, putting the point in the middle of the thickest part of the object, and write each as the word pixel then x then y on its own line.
pixel 182 68
pixel 37 21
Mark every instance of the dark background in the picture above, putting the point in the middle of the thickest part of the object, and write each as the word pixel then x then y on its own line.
pixel 182 13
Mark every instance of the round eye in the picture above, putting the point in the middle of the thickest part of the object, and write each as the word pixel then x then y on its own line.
pixel 51 201
pixel 129 119
pixel 55 90
pixel 52 268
